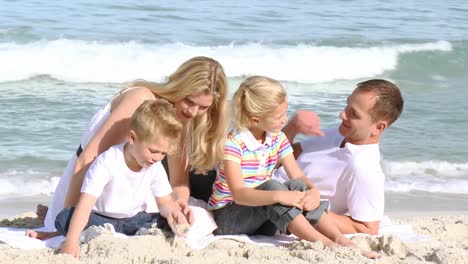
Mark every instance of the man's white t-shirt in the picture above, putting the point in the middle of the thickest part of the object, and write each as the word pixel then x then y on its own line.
pixel 350 177
pixel 121 192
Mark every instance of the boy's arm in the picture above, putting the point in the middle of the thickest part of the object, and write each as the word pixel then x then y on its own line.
pixel 348 225
pixel 252 197
pixel 77 224
pixel 312 197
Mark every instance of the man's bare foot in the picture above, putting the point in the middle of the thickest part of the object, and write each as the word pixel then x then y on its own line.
pixel 41 235
pixel 41 211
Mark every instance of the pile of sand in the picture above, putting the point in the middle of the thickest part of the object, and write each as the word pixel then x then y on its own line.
pixel 448 244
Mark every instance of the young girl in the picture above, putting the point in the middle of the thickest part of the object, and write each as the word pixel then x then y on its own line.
pixel 245 200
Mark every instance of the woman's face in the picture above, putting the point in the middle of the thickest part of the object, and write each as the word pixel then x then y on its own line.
pixel 193 105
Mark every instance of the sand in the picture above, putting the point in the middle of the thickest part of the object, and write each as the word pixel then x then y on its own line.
pixel 448 244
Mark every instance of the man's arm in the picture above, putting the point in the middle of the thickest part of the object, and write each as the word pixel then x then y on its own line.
pixel 348 225
pixel 304 122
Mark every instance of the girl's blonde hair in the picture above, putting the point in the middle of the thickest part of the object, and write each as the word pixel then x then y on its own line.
pixel 205 135
pixel 156 119
pixel 257 96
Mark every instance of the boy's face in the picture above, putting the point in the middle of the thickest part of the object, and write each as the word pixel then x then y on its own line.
pixel 148 152
pixel 275 121
pixel 357 126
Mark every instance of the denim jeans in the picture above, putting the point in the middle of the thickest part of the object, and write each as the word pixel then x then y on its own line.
pixel 264 220
pixel 127 226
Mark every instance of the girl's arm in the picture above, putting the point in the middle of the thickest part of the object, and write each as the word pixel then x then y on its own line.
pixel 312 197
pixel 113 131
pixel 253 197
pixel 80 217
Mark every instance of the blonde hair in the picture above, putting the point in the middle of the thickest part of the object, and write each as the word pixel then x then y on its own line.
pixel 257 96
pixel 204 142
pixel 155 119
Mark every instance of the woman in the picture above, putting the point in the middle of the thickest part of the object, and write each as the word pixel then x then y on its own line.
pixel 198 90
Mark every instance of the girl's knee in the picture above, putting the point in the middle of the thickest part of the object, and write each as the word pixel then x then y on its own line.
pixel 296 185
pixel 272 185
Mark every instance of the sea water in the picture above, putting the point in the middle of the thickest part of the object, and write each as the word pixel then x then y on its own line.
pixel 61 61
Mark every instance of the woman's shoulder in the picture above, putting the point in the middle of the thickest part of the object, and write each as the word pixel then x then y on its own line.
pixel 133 96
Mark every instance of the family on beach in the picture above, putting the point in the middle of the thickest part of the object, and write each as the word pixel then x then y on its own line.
pixel 257 181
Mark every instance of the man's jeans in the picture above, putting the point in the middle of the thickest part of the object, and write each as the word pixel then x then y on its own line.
pixel 265 220
pixel 127 226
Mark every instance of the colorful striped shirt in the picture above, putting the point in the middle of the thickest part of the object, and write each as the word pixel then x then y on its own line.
pixel 256 160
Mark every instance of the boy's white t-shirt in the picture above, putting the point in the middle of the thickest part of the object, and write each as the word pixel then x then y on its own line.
pixel 121 192
pixel 350 177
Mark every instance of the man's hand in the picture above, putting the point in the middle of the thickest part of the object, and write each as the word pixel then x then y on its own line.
pixel 70 248
pixel 306 122
pixel 311 200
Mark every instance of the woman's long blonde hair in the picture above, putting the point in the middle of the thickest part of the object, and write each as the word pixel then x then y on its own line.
pixel 205 137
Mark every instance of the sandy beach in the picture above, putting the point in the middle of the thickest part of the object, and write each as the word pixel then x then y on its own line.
pixel 448 243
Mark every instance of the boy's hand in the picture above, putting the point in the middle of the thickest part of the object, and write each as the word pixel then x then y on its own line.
pixel 291 198
pixel 311 200
pixel 70 248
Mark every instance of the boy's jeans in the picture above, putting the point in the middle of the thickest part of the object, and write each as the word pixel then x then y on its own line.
pixel 127 226
pixel 265 220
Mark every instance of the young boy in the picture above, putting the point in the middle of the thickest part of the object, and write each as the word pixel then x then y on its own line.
pixel 118 182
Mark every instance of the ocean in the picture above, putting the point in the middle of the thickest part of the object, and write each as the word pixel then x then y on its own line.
pixel 61 61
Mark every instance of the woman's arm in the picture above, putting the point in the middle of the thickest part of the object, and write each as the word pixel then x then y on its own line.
pixel 179 177
pixel 114 131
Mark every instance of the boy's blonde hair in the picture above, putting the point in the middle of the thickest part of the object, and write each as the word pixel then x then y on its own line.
pixel 155 119
pixel 257 96
pixel 204 143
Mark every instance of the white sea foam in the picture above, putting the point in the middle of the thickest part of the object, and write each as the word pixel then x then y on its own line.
pixel 15 183
pixel 429 176
pixel 84 61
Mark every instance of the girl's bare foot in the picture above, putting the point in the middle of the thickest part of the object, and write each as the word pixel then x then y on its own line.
pixel 41 211
pixel 370 254
pixel 41 235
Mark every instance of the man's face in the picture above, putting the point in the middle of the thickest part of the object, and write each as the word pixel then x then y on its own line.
pixel 357 126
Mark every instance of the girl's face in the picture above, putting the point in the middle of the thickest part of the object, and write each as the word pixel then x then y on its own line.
pixel 193 105
pixel 275 121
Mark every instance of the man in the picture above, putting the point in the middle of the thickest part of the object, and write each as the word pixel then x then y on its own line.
pixel 344 162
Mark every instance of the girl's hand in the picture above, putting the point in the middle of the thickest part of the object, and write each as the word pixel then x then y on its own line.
pixel 311 200
pixel 292 198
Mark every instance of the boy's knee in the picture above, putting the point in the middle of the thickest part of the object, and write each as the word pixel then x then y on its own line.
pixel 62 221
pixel 296 185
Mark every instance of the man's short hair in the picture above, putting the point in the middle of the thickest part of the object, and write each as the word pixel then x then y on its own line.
pixel 389 103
